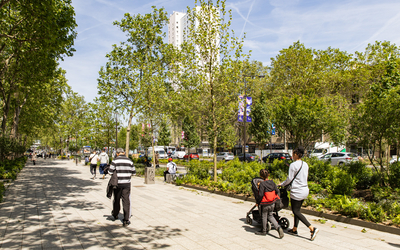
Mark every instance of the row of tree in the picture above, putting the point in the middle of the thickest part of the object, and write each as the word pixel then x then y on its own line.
pixel 34 36
pixel 306 93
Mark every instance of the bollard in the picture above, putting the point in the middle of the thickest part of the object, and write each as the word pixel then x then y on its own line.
pixel 76 161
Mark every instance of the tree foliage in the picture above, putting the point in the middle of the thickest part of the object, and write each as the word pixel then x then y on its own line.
pixel 136 74
pixel 210 67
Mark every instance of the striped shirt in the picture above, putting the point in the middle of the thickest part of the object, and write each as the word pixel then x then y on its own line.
pixel 124 168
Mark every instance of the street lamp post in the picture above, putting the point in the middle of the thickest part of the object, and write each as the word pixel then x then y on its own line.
pixel 116 130
pixel 245 112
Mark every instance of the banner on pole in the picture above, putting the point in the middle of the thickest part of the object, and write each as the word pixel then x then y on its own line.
pixel 249 102
pixel 241 109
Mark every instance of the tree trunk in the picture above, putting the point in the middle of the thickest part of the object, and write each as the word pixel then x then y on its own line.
pixel 215 157
pixel 152 143
pixel 6 110
pixel 17 113
pixel 128 131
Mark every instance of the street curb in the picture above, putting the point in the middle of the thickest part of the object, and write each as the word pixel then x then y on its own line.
pixel 338 218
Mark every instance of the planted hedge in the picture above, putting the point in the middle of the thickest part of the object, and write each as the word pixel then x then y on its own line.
pixel 332 188
pixel 9 170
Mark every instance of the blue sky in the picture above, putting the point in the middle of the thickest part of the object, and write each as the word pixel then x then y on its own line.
pixel 270 25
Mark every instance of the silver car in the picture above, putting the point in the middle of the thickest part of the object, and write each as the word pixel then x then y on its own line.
pixel 339 158
pixel 226 156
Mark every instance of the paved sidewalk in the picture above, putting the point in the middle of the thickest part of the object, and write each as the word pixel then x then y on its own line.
pixel 55 205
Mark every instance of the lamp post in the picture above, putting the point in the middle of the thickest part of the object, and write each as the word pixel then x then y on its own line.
pixel 116 129
pixel 245 112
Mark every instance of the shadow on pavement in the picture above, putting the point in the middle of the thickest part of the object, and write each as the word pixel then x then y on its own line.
pixel 46 207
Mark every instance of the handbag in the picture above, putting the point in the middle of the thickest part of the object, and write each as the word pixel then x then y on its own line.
pixel 284 190
pixel 278 203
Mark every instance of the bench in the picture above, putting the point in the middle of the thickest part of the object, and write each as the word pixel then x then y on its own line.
pixel 171 178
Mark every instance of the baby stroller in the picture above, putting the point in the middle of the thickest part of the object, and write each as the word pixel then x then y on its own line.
pixel 282 221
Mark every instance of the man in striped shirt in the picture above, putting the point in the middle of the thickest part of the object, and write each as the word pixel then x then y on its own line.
pixel 123 167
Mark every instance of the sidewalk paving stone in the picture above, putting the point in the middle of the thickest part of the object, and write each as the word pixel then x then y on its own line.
pixel 55 205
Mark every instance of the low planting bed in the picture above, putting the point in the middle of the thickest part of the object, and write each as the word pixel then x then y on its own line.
pixel 9 170
pixel 353 190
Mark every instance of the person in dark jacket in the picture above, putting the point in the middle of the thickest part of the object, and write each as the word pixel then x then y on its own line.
pixel 123 167
pixel 268 195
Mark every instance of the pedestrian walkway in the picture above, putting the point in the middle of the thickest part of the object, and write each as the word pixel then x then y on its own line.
pixel 55 205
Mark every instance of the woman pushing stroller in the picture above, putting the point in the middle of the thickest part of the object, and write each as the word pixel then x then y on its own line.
pixel 268 196
pixel 297 178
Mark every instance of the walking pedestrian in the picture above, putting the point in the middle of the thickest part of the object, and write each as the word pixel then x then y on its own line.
pixel 123 167
pixel 103 162
pixel 93 158
pixel 171 169
pixel 298 174
pixel 157 161
pixel 268 195
pixel 34 158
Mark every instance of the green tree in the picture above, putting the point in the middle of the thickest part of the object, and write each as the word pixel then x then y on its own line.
pixel 375 122
pixel 34 35
pixel 100 124
pixel 137 71
pixel 262 116
pixel 309 93
pixel 164 134
pixel 191 138
pixel 306 118
pixel 209 68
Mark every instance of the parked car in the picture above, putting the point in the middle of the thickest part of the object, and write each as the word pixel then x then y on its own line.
pixel 225 156
pixel 339 158
pixel 178 155
pixel 393 160
pixel 280 156
pixel 255 156
pixel 191 156
pixel 247 158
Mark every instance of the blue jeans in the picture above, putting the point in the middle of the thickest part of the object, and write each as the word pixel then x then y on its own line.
pixel 101 168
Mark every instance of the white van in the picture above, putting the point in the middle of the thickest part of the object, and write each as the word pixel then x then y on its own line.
pixel 157 149
pixel 322 148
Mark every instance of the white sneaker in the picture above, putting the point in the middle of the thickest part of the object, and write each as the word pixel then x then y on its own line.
pixel 314 233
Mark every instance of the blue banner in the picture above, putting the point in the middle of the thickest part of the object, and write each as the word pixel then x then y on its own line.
pixel 241 109
pixel 249 102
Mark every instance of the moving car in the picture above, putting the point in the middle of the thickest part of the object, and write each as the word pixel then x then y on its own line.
pixel 339 158
pixel 191 156
pixel 247 158
pixel 225 156
pixel 280 156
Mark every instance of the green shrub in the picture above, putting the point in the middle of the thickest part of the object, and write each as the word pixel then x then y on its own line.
pixel 361 173
pixel 315 188
pixel 2 190
pixel 394 175
pixel 317 169
pixel 278 169
pixel 198 170
pixel 338 181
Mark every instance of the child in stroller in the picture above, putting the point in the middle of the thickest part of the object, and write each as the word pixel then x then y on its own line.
pixel 267 195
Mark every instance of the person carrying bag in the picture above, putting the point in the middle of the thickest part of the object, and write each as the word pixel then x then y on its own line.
pixel 284 194
pixel 297 181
